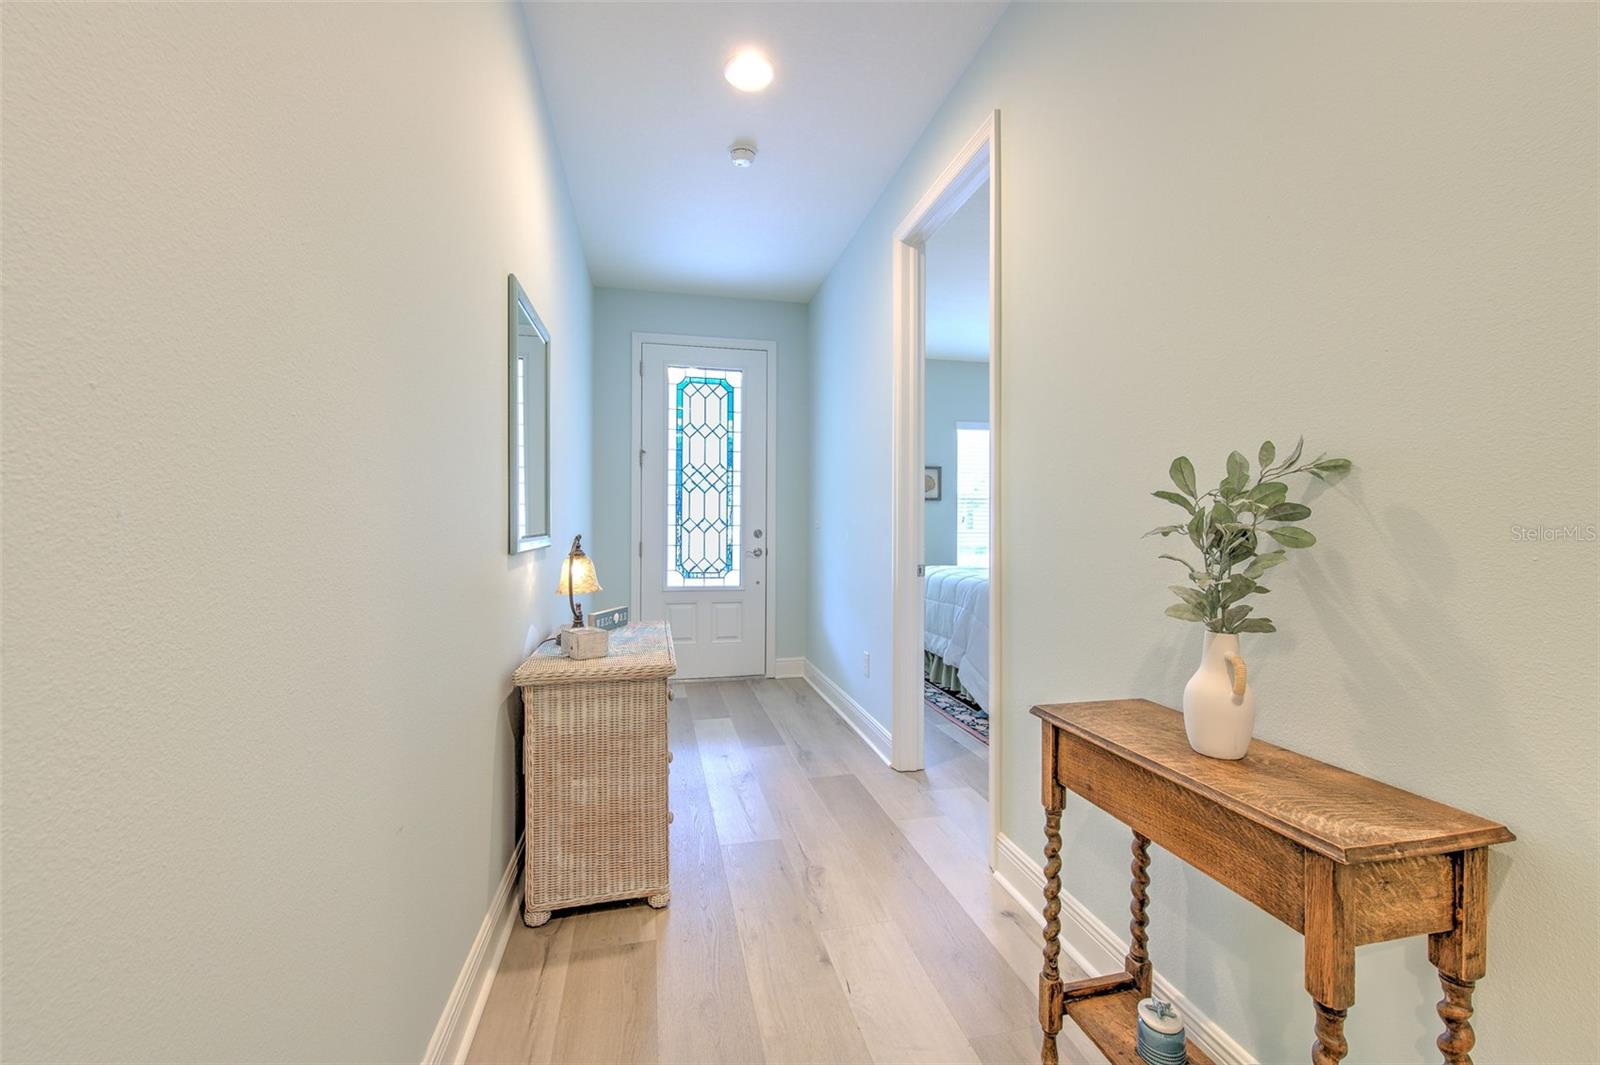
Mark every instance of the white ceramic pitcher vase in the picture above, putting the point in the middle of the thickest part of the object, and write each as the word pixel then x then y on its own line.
pixel 1219 709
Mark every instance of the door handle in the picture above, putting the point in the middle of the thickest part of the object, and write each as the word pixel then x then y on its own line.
pixel 757 553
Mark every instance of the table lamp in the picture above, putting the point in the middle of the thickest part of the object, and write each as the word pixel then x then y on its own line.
pixel 579 578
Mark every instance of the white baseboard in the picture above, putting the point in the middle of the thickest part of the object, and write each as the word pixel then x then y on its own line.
pixel 871 731
pixel 452 1036
pixel 1096 949
pixel 789 667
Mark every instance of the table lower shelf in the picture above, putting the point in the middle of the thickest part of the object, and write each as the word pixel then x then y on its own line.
pixel 1110 1019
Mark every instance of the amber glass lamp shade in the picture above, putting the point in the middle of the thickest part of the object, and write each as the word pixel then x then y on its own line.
pixel 577 578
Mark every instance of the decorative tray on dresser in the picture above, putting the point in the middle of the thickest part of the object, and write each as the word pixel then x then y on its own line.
pixel 595 760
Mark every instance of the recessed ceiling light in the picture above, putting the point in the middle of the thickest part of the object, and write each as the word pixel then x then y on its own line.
pixel 748 71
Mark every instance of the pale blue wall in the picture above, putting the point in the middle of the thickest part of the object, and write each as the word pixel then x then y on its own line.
pixel 1375 224
pixel 850 447
pixel 955 392
pixel 255 349
pixel 618 314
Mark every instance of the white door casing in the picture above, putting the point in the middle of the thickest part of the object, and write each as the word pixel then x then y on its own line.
pixel 701 509
pixel 977 161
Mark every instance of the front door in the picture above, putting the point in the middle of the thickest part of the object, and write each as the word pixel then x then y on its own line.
pixel 703 504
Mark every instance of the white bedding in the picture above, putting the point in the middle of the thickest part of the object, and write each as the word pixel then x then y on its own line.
pixel 955 624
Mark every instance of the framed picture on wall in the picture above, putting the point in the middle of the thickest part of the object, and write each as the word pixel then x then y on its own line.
pixel 932 483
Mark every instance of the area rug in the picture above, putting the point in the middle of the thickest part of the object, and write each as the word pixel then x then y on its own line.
pixel 956 709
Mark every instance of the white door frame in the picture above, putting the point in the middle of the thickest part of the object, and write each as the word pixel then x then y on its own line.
pixel 769 349
pixel 976 162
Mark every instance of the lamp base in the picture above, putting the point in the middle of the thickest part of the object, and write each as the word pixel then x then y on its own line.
pixel 587 642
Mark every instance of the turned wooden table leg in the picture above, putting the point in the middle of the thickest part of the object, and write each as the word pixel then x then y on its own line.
pixel 1330 1047
pixel 1459 955
pixel 1137 963
pixel 1455 1009
pixel 1330 957
pixel 1052 1003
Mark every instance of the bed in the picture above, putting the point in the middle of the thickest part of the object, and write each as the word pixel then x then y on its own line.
pixel 955 630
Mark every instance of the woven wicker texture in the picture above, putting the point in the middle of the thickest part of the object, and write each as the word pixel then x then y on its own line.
pixel 637 651
pixel 595 756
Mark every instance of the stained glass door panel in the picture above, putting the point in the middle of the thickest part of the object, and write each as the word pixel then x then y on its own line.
pixel 704 448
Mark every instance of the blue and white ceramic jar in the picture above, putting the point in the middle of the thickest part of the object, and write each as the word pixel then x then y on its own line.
pixel 1160 1038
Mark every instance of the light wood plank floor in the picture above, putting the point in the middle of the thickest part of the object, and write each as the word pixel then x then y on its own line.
pixel 824 909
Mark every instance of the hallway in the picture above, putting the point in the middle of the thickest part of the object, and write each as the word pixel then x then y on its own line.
pixel 365 362
pixel 825 908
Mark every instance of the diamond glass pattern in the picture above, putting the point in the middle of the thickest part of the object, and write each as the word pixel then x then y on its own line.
pixel 703 445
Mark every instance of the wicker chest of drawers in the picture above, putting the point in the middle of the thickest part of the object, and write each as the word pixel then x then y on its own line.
pixel 594 755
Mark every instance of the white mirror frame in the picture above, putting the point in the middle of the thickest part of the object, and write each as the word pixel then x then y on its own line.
pixel 519 539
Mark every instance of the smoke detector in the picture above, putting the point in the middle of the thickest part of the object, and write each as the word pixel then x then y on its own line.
pixel 742 155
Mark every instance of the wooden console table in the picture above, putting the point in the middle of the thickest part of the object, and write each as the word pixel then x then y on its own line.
pixel 1342 859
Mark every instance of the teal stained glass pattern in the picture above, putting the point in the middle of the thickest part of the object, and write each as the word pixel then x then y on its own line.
pixel 704 485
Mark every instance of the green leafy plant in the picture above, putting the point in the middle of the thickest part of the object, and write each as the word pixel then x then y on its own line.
pixel 1229 524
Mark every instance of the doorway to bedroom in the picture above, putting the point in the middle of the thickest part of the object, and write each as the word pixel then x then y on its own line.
pixel 956 434
pixel 946 667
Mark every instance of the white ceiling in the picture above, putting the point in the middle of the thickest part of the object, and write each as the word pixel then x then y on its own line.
pixel 644 121
pixel 957 270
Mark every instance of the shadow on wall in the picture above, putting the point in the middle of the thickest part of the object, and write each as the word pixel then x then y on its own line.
pixel 512 710
pixel 1383 676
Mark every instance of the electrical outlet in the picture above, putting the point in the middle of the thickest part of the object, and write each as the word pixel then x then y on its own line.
pixel 866 663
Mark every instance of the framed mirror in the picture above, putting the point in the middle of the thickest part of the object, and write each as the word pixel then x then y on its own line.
pixel 528 361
